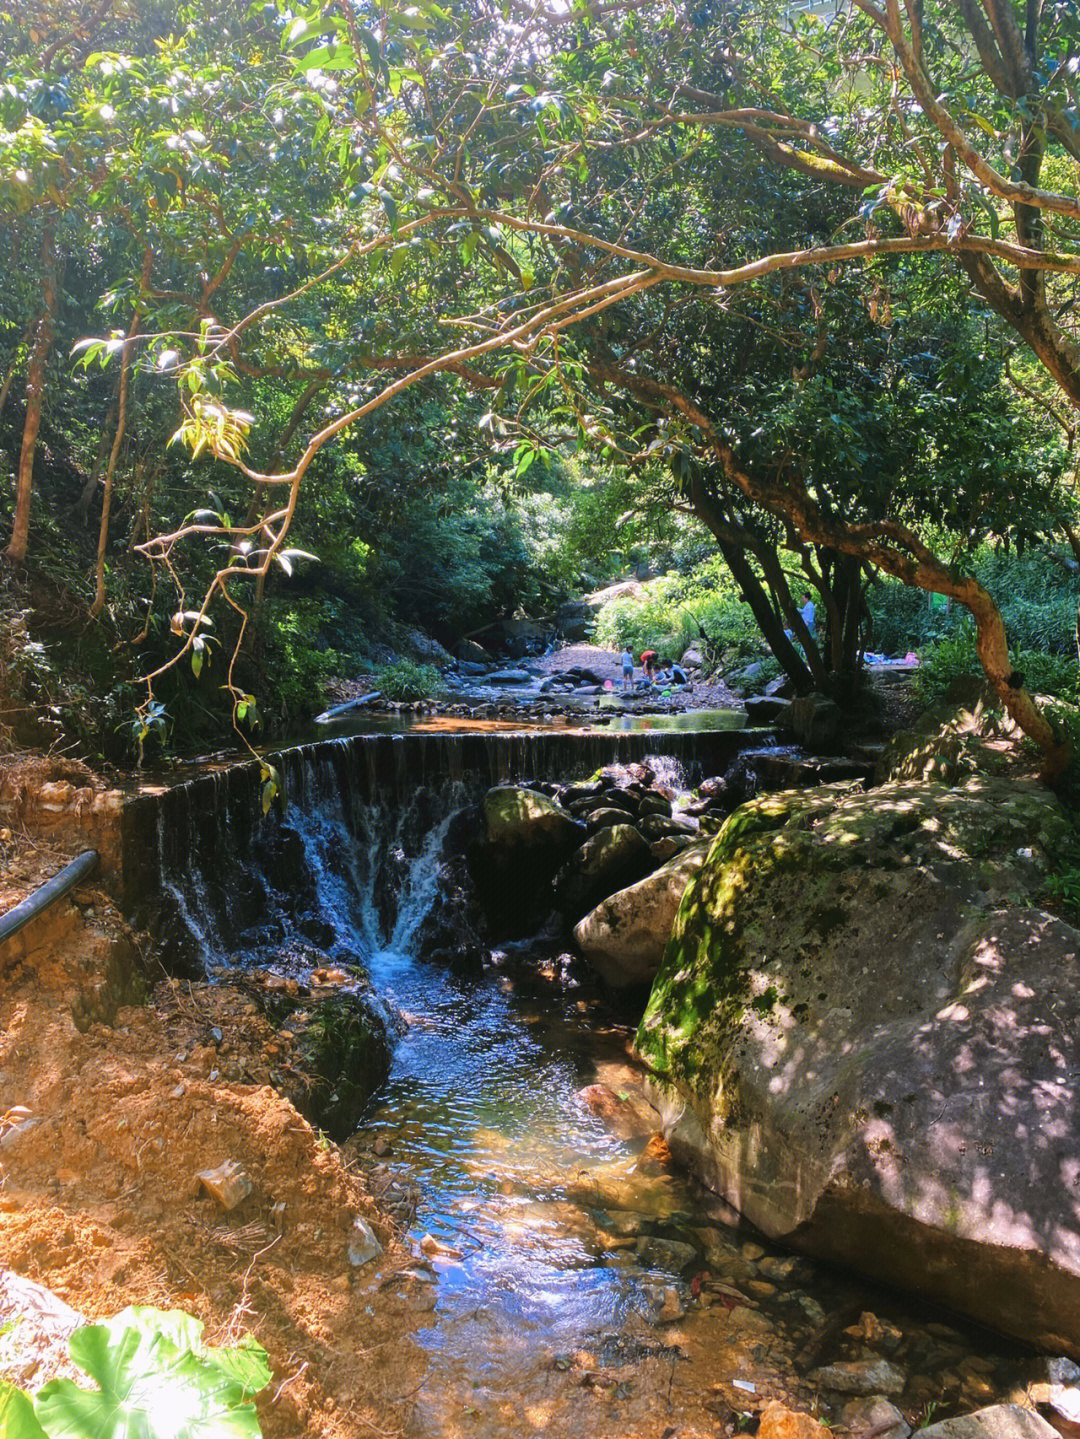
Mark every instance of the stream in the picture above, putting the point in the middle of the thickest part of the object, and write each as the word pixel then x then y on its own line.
pixel 568 1279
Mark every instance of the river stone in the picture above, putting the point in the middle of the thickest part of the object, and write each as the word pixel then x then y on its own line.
pixel 651 803
pixel 814 720
pixel 363 1245
pixel 874 1419
pixel 526 838
pixel 509 677
pixel 1000 1421
pixel 611 858
pixel 765 709
pixel 656 826
pixel 871 1057
pixel 780 1422
pixel 624 937
pixel 606 816
pixel 861 1376
pixel 522 818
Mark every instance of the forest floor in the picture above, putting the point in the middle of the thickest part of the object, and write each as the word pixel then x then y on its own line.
pixel 104 1130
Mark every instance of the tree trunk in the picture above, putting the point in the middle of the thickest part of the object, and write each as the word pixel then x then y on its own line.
pixel 36 377
pixel 118 439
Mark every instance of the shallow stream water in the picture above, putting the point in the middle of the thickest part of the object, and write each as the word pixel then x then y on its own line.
pixel 569 1279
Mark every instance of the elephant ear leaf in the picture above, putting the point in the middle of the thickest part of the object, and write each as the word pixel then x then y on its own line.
pixel 157 1380
pixel 17 1417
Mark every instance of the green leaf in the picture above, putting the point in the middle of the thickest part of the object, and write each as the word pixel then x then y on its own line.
pixel 17 1417
pixel 156 1380
pixel 328 57
pixel 389 204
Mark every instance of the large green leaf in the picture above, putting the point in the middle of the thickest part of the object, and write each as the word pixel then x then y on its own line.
pixel 17 1417
pixel 157 1380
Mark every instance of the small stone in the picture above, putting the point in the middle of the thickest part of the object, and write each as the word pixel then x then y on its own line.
pixel 861 1376
pixel 363 1244
pixel 752 1252
pixel 874 1416
pixel 1060 1407
pixel 216 1035
pixel 381 1145
pixel 777 1269
pixel 178 1092
pixel 779 1422
pixel 761 1287
pixel 228 1183
pixel 665 1253
pixel 812 1309
pixel 671 1306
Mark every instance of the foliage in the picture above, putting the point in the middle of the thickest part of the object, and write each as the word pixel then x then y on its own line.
pixel 1038 597
pixel 257 230
pixel 674 611
pixel 955 655
pixel 156 1377
pixel 406 681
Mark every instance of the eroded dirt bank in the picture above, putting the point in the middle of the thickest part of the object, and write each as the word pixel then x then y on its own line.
pixel 110 1108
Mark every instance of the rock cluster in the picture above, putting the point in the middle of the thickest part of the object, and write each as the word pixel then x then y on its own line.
pixel 593 852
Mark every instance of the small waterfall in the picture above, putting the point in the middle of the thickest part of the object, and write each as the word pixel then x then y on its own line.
pixel 349 865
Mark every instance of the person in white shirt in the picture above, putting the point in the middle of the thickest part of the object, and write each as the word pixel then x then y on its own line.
pixel 627 671
pixel 807 612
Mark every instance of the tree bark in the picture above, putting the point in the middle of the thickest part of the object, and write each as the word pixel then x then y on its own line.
pixel 36 379
pixel 118 438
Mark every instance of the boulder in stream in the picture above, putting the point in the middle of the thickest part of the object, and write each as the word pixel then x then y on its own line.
pixel 867 1039
pixel 611 858
pixel 526 838
pixel 624 937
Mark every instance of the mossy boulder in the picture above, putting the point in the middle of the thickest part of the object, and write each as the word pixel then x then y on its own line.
pixel 526 837
pixel 960 734
pixel 522 818
pixel 867 1037
pixel 611 858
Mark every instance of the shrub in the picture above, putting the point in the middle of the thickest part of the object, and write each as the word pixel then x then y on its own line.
pixel 1051 674
pixel 404 681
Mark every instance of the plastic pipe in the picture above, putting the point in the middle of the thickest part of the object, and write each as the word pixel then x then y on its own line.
pixel 54 889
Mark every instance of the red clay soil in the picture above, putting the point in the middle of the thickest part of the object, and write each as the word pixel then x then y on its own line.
pixel 102 1134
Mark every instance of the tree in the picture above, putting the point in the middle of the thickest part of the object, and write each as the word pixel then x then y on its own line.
pixel 527 182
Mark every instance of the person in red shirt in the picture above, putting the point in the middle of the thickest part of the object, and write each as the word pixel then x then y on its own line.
pixel 648 663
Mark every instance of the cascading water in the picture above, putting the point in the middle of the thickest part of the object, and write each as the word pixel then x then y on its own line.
pixel 564 1273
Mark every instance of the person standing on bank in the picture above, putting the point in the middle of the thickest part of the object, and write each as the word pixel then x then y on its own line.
pixel 648 664
pixel 627 670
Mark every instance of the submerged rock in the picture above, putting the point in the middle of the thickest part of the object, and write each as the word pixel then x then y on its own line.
pixel 871 1057
pixel 624 937
pixel 861 1376
pixel 874 1419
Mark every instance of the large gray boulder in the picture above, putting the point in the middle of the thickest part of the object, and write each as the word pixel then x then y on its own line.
pixel 867 1038
pixel 624 937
